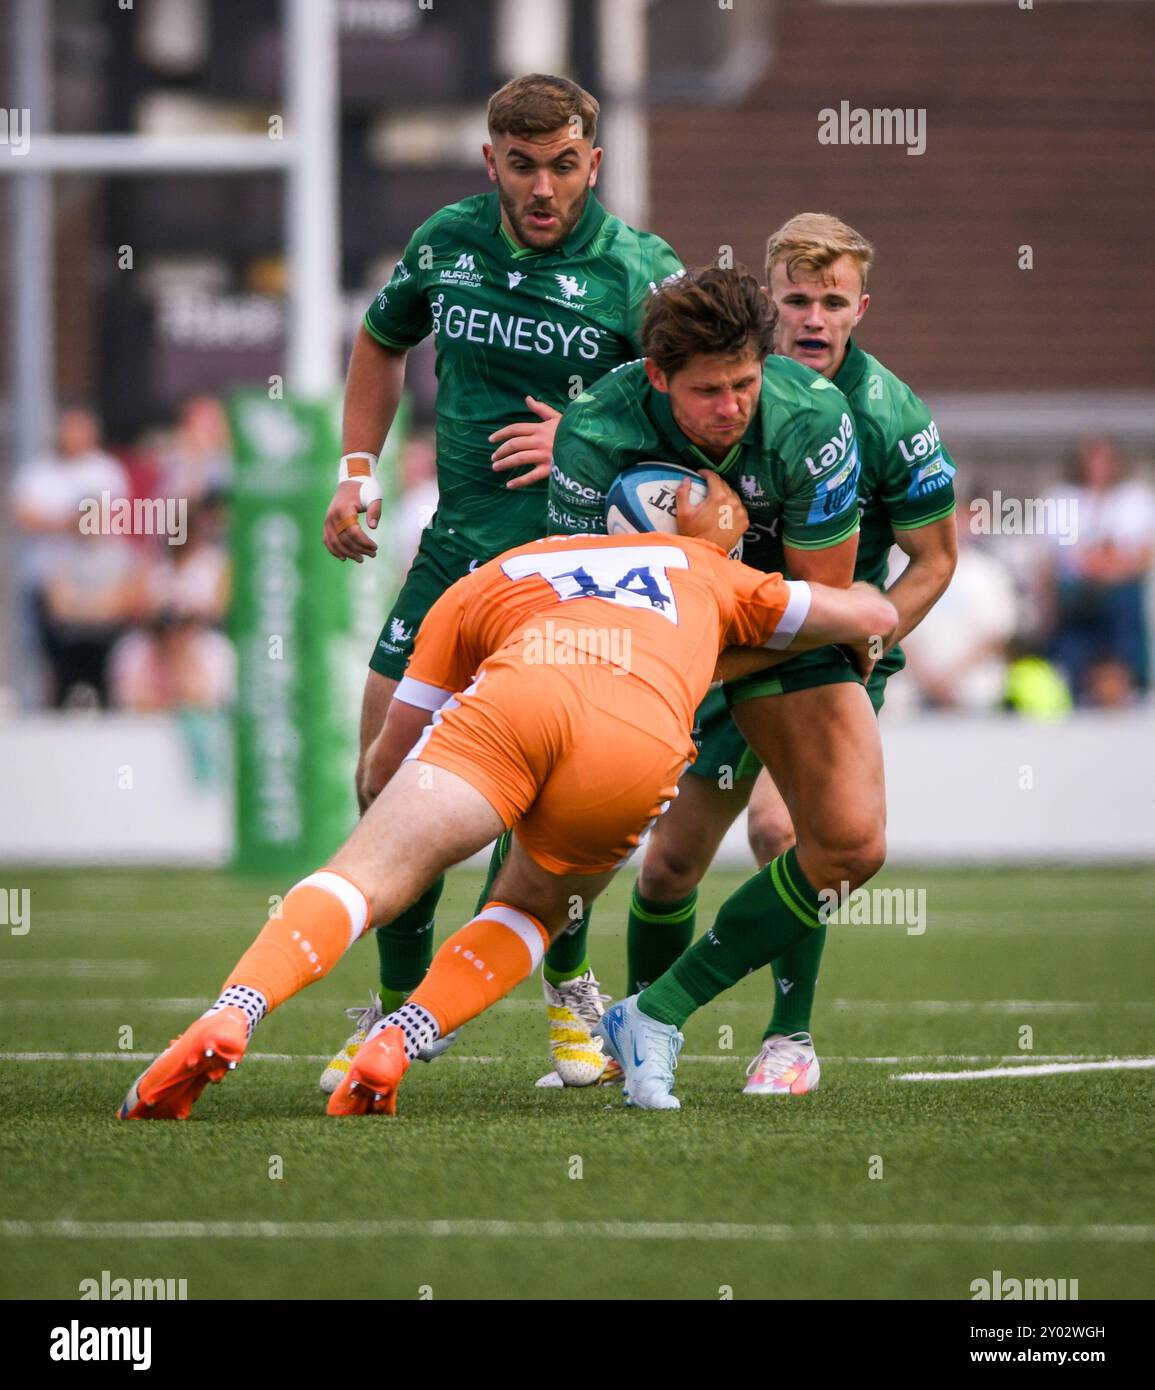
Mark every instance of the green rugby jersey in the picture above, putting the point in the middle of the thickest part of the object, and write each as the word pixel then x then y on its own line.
pixel 510 322
pixel 795 468
pixel 907 475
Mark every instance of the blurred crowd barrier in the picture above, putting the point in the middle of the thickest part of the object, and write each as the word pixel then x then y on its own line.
pixel 135 789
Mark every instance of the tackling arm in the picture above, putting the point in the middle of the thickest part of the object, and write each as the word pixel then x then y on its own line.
pixel 833 567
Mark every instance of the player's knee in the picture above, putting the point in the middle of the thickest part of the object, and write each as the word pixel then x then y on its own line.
pixel 769 836
pixel 853 862
pixel 668 874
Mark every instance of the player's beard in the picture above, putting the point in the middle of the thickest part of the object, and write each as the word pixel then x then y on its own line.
pixel 566 222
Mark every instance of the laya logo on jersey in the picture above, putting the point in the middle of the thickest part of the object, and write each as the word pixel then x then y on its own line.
pixel 837 493
pixel 464 273
pixel 834 449
pixel 922 444
pixel 931 470
pixel 667 279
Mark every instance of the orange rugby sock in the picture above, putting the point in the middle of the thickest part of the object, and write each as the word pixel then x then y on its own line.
pixel 319 920
pixel 480 964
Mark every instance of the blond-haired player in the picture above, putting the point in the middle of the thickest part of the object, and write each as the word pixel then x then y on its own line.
pixel 821 797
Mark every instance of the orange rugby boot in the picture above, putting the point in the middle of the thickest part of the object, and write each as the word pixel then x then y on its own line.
pixel 370 1085
pixel 206 1051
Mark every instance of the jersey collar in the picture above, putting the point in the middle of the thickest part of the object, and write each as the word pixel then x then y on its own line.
pixel 663 417
pixel 588 226
pixel 852 370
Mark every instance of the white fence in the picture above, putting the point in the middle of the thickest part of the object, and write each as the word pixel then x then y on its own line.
pixel 132 790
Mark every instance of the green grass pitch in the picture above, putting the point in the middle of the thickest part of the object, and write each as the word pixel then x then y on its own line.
pixel 485 1187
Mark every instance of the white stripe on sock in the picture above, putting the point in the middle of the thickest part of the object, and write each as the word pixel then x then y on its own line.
pixel 519 923
pixel 350 897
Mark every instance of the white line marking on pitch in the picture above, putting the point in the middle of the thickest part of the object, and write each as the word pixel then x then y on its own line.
pixel 1084 1060
pixel 921 1006
pixel 560 1230
pixel 1047 1069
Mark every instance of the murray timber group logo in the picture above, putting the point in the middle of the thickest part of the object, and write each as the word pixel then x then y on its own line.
pixel 464 272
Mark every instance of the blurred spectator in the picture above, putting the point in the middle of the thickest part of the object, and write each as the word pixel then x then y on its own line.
pixel 958 653
pixel 177 659
pixel 192 580
pixel 197 460
pixel 75 589
pixel 1035 688
pixel 417 500
pixel 1100 628
pixel 176 662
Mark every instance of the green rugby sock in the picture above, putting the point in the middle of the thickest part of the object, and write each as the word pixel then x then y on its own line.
pixel 566 958
pixel 496 860
pixel 656 935
pixel 795 980
pixel 405 947
pixel 765 917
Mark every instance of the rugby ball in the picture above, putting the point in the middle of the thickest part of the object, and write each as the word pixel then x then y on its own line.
pixel 644 498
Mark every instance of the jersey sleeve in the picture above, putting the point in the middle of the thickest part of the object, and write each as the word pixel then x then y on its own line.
pixel 400 317
pixel 767 611
pixel 585 463
pixel 821 467
pixel 445 655
pixel 657 264
pixel 918 474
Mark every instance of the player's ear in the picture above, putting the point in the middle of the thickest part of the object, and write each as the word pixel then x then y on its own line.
pixel 658 379
pixel 863 305
pixel 595 162
pixel 490 162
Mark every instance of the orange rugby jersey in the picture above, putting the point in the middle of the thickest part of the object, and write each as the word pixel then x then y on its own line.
pixel 654 608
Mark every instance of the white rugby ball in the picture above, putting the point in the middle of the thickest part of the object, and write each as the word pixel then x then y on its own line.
pixel 644 498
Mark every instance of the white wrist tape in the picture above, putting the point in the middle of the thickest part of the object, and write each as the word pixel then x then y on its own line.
pixel 358 467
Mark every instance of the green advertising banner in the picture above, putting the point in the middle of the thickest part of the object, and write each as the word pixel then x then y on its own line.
pixel 304 624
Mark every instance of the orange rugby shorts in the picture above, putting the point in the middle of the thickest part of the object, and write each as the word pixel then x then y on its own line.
pixel 579 760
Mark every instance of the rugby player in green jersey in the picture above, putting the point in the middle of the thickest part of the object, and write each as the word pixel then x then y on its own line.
pixel 817 816
pixel 784 437
pixel 532 286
